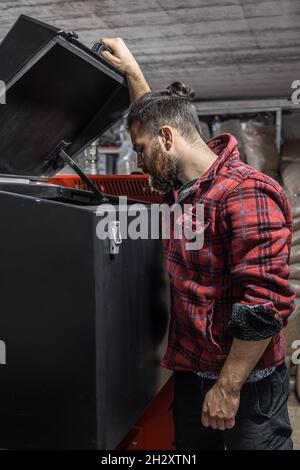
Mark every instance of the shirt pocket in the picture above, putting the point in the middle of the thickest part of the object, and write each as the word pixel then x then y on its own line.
pixel 210 324
pixel 201 324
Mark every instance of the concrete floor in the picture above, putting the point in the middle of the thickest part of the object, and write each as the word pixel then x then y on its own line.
pixel 294 411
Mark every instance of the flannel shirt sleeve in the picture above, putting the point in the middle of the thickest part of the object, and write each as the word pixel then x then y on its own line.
pixel 258 229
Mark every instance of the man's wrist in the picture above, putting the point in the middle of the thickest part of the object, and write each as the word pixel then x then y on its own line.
pixel 133 71
pixel 137 83
pixel 230 384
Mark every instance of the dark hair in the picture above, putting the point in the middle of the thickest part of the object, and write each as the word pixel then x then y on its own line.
pixel 171 106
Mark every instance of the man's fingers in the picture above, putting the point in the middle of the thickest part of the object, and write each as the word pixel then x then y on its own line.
pixel 216 423
pixel 229 423
pixel 205 420
pixel 109 56
pixel 107 41
pixel 113 43
pixel 204 416
pixel 221 424
pixel 213 422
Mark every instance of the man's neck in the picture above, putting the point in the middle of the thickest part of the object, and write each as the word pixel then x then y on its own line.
pixel 196 161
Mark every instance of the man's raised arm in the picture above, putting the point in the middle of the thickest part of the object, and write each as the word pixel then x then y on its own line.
pixel 123 60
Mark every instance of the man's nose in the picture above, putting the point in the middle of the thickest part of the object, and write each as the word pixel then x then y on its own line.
pixel 140 162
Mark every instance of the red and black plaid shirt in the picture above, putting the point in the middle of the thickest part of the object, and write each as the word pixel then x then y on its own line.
pixel 244 259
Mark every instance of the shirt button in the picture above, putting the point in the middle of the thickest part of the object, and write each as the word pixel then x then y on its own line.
pixel 276 315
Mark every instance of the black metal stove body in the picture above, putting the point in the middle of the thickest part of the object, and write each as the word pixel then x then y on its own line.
pixel 82 318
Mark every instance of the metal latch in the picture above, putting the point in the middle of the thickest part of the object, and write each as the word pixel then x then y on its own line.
pixel 115 237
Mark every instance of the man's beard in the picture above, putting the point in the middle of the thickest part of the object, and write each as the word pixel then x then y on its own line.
pixel 163 170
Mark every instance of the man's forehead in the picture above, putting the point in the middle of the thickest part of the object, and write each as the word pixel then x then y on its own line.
pixel 136 130
pixel 138 134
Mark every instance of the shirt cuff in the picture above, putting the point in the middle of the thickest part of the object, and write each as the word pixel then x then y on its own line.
pixel 254 322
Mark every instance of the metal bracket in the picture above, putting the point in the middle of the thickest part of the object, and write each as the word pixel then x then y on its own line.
pixel 115 237
pixel 67 159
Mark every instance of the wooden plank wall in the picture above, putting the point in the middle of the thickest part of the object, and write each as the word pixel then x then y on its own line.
pixel 222 48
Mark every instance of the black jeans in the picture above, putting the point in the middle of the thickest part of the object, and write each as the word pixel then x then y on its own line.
pixel 262 421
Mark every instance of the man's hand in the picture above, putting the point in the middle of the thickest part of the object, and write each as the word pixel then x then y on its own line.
pixel 222 402
pixel 220 408
pixel 123 60
pixel 121 57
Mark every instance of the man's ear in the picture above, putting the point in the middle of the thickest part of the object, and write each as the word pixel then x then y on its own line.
pixel 166 136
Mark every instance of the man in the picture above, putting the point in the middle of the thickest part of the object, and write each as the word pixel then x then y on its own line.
pixel 231 298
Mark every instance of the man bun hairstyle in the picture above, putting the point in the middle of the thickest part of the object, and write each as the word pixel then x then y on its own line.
pixel 181 90
pixel 168 107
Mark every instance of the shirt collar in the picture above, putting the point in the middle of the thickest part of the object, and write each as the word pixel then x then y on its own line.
pixel 225 146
